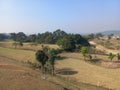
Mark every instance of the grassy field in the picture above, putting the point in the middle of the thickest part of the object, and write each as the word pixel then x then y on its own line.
pixel 89 73
pixel 20 55
pixel 74 68
pixel 27 46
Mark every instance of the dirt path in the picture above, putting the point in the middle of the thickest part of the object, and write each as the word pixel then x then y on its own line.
pixel 102 48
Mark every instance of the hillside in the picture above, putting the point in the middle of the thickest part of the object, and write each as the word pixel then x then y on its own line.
pixel 12 73
pixel 115 32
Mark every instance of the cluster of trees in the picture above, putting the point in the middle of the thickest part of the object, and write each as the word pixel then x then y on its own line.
pixel 47 58
pixel 3 36
pixel 21 37
pixel 68 42
pixel 86 52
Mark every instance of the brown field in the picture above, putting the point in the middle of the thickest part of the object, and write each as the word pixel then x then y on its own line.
pixel 16 77
pixel 71 66
pixel 89 73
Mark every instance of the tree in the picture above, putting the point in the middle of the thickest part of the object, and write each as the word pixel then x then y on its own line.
pixel 52 56
pixel 58 34
pixel 13 36
pixel 3 36
pixel 66 43
pixel 78 39
pixel 42 58
pixel 111 56
pixel 84 51
pixel 118 56
pixel 21 43
pixel 21 37
pixel 32 37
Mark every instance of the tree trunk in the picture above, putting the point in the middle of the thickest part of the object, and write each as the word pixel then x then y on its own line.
pixel 53 68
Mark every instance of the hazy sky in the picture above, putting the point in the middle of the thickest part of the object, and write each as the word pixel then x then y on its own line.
pixel 73 16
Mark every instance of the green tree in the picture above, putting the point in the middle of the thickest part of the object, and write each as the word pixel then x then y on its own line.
pixel 66 43
pixel 13 36
pixel 52 56
pixel 84 51
pixel 21 37
pixel 32 37
pixel 3 36
pixel 42 58
pixel 111 56
pixel 118 56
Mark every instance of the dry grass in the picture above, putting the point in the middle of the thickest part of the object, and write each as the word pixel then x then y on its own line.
pixel 103 48
pixel 85 72
pixel 16 77
pixel 110 44
pixel 20 55
pixel 23 55
pixel 27 46
pixel 89 73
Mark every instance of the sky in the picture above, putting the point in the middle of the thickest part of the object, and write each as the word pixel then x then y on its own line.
pixel 72 16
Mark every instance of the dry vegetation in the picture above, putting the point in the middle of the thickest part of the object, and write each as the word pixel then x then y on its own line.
pixel 14 76
pixel 113 44
pixel 104 49
pixel 27 46
pixel 89 73
pixel 71 66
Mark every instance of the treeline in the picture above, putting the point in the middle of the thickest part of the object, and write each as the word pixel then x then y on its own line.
pixel 3 36
pixel 65 40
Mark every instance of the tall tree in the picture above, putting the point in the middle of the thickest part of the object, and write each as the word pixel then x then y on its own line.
pixel 42 58
pixel 52 56
pixel 21 37
pixel 13 36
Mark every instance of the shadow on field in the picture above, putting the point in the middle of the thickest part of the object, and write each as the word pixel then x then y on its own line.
pixel 95 61
pixel 61 57
pixel 66 71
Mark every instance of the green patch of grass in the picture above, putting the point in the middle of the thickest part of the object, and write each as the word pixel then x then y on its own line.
pixel 20 55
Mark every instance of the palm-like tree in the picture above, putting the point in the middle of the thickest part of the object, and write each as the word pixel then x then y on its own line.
pixel 118 56
pixel 111 56
pixel 52 56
